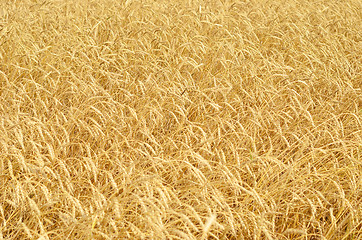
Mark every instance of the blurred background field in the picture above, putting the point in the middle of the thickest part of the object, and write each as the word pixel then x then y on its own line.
pixel 180 119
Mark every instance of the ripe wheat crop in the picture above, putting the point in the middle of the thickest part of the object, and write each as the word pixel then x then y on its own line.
pixel 185 119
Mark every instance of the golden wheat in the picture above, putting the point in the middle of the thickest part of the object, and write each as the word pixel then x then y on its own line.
pixel 180 119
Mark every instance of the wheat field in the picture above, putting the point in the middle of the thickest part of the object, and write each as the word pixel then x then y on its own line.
pixel 185 119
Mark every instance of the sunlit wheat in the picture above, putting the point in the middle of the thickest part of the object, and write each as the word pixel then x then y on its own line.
pixel 180 119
